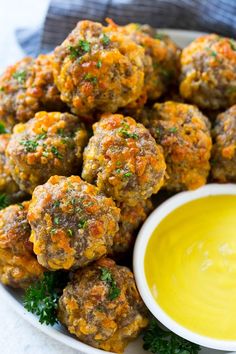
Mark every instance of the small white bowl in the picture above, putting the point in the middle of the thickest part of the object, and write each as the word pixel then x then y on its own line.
pixel 138 261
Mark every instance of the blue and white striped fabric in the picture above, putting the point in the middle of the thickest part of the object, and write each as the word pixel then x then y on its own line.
pixel 202 15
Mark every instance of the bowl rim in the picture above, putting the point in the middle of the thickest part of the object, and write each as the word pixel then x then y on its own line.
pixel 138 262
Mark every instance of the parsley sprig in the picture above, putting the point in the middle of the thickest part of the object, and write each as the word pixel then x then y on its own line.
pixel 4 201
pixel 20 76
pixel 80 49
pixel 108 278
pixel 42 297
pixel 159 341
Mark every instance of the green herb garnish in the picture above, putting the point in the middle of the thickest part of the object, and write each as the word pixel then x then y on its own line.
pixel 99 64
pixel 70 232
pixel 1 89
pixel 159 341
pixel 2 128
pixel 4 201
pixel 128 174
pixel 42 297
pixel 105 39
pixel 159 36
pixel 56 220
pixel 55 151
pixel 82 224
pixel 20 76
pixel 107 277
pixel 56 204
pixel 91 78
pixel 30 145
pixel 173 130
pixel 80 49
pixel 232 44
pixel 126 134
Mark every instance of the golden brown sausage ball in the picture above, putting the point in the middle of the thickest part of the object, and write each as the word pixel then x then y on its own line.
pixel 123 160
pixel 72 223
pixel 184 133
pixel 102 306
pixel 98 69
pixel 7 184
pixel 26 88
pixel 162 58
pixel 18 265
pixel 131 218
pixel 49 144
pixel 224 147
pixel 208 72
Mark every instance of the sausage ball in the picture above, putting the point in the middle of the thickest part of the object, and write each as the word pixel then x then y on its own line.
pixel 162 58
pixel 184 134
pixel 72 223
pixel 130 220
pixel 224 147
pixel 18 265
pixel 7 184
pixel 123 160
pixel 47 145
pixel 102 306
pixel 208 72
pixel 98 69
pixel 26 88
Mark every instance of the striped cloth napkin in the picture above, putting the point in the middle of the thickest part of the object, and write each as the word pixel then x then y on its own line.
pixel 201 15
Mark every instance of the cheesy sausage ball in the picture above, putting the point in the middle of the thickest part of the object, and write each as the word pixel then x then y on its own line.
pixel 208 72
pixel 26 88
pixel 98 69
pixel 102 306
pixel 162 58
pixel 18 265
pixel 123 160
pixel 184 134
pixel 7 184
pixel 49 144
pixel 131 218
pixel 224 147
pixel 72 223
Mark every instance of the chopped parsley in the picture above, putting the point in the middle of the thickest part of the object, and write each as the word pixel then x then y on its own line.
pixel 108 278
pixel 70 232
pixel 80 49
pixel 55 151
pixel 56 204
pixel 20 76
pixel 118 170
pixel 30 145
pixel 56 220
pixel 173 130
pixel 91 78
pixel 82 224
pixel 160 36
pixel 1 89
pixel 212 52
pixel 128 174
pixel 126 134
pixel 2 128
pixel 105 40
pixel 99 64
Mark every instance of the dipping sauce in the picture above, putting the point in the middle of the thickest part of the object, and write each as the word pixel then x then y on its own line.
pixel 190 266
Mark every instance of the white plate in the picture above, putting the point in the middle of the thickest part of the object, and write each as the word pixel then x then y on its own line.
pixel 182 38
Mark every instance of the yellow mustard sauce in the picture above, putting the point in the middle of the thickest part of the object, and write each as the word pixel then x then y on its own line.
pixel 190 266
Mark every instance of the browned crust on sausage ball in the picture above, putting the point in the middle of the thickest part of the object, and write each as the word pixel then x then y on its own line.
pixel 72 223
pixel 89 312
pixel 18 265
pixel 123 160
